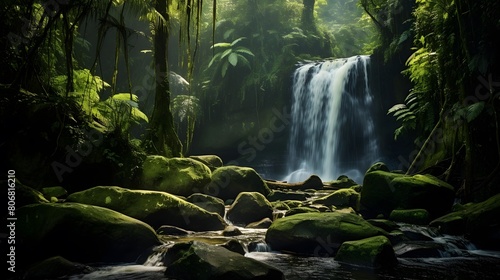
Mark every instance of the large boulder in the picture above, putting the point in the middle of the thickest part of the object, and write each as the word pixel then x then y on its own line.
pixel 385 191
pixel 318 233
pixel 196 260
pixel 56 268
pixel 179 176
pixel 410 216
pixel 80 233
pixel 277 195
pixel 479 222
pixel 375 252
pixel 228 181
pixel 208 202
pixel 341 199
pixel 212 161
pixel 154 208
pixel 249 207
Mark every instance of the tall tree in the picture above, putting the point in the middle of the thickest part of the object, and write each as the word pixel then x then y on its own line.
pixel 162 138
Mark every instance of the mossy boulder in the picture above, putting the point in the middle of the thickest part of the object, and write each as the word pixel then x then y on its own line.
pixel 479 222
pixel 208 202
pixel 301 209
pixel 378 166
pixel 264 223
pixel 318 234
pixel 384 224
pixel 249 207
pixel 152 207
pixel 196 260
pixel 385 191
pixel 228 181
pixel 57 192
pixel 375 252
pixel 410 216
pixel 342 182
pixel 340 199
pixel 212 161
pixel 179 176
pixel 280 205
pixel 80 233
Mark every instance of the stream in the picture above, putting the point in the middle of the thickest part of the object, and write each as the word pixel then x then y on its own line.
pixel 458 259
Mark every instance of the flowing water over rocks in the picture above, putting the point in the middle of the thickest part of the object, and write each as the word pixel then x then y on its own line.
pixel 333 131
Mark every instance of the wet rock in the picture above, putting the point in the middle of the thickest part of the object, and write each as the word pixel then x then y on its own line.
pixel 25 195
pixel 228 181
pixel 56 267
pixel 410 216
pixel 384 224
pixel 312 183
pixel 418 249
pixel 318 233
pixel 375 252
pixel 80 233
pixel 385 191
pixel 196 260
pixel 378 166
pixel 179 176
pixel 155 208
pixel 478 221
pixel 231 231
pixel 235 246
pixel 264 223
pixel 171 230
pixel 249 207
pixel 288 195
pixel 207 202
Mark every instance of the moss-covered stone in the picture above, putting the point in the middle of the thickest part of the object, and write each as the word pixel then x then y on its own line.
pixel 299 210
pixel 228 181
pixel 180 176
pixel 249 207
pixel 386 225
pixel 385 191
pixel 318 233
pixel 212 161
pixel 341 183
pixel 293 203
pixel 378 166
pixel 478 221
pixel 80 233
pixel 374 252
pixel 57 192
pixel 341 198
pixel 196 260
pixel 264 223
pixel 280 205
pixel 410 216
pixel 154 208
pixel 208 202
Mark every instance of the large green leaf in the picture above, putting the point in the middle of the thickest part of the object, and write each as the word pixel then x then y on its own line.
pixel 474 110
pixel 233 59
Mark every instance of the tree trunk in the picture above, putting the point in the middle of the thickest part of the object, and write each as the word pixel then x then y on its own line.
pixel 162 138
pixel 308 14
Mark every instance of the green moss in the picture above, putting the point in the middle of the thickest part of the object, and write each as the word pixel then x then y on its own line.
pixel 411 216
pixel 155 208
pixel 376 252
pixel 228 181
pixel 341 198
pixel 180 176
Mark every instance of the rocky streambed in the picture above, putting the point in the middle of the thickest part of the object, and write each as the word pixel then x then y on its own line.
pixel 229 223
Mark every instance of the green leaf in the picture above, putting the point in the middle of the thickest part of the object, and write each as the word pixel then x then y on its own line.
pixel 244 50
pixel 396 107
pixel 224 68
pixel 233 59
pixel 125 96
pixel 226 53
pixel 474 110
pixel 221 45
pixel 237 41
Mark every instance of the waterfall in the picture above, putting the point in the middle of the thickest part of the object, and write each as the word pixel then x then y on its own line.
pixel 332 129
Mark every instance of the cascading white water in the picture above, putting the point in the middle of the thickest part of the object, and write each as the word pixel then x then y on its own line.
pixel 332 129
